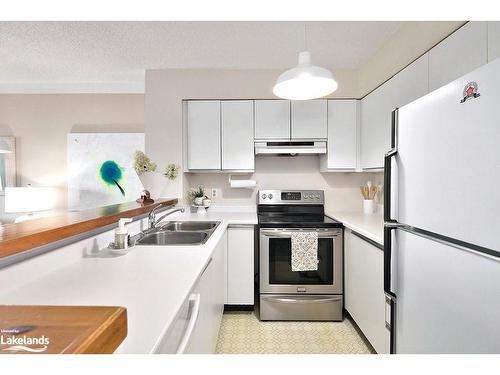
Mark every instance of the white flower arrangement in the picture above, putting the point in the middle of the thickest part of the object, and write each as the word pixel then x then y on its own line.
pixel 143 164
pixel 171 171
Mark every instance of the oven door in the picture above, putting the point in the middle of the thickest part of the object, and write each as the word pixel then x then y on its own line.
pixel 276 275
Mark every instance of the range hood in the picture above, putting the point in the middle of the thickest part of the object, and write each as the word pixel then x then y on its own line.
pixel 290 148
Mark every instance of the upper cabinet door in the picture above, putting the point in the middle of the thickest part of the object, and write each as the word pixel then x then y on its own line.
pixel 343 116
pixel 203 135
pixel 493 40
pixel 458 54
pixel 376 110
pixel 412 82
pixel 309 119
pixel 272 119
pixel 237 135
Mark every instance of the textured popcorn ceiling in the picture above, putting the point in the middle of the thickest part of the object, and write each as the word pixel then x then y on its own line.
pixel 118 53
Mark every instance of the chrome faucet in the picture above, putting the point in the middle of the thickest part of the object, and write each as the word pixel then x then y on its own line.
pixel 153 221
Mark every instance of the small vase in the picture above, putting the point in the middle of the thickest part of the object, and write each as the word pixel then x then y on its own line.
pixel 198 201
pixel 153 182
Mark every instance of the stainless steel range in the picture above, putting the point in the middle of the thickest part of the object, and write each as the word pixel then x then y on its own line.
pixel 298 295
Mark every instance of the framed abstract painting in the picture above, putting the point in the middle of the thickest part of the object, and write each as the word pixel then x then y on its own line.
pixel 100 169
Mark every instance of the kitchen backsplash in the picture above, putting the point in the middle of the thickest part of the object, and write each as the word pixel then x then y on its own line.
pixel 299 172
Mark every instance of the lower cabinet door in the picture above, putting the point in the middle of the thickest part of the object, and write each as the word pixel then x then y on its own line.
pixel 179 334
pixel 210 288
pixel 240 265
pixel 364 289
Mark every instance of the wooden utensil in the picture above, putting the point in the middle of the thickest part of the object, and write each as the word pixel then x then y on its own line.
pixel 373 191
pixel 365 192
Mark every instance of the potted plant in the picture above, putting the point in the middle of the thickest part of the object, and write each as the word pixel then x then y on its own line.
pixel 197 195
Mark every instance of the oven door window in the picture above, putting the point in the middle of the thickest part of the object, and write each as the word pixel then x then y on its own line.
pixel 280 264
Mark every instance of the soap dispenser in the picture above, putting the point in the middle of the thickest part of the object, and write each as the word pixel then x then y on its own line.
pixel 121 234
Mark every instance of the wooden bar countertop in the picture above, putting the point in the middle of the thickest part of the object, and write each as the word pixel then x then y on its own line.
pixel 61 329
pixel 20 237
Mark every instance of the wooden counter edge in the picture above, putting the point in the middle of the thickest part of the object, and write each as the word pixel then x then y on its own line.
pixel 15 241
pixel 108 337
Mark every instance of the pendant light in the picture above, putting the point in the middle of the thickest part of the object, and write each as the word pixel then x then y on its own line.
pixel 305 81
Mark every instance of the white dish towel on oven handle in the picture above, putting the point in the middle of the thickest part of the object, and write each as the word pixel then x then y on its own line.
pixel 304 251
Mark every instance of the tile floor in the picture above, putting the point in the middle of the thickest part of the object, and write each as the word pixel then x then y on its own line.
pixel 243 333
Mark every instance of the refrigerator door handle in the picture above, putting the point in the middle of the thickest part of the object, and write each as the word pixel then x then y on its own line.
pixel 388 167
pixel 390 295
pixel 388 228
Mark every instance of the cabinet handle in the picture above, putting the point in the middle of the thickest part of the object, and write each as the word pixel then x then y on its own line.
pixel 194 306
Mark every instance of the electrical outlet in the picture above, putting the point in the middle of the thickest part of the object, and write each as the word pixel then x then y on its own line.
pixel 215 193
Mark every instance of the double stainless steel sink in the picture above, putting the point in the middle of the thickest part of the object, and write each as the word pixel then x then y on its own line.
pixel 178 233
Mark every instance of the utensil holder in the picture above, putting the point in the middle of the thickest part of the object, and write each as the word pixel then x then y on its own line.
pixel 368 206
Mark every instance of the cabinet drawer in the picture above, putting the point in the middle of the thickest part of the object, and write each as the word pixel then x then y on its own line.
pixel 300 307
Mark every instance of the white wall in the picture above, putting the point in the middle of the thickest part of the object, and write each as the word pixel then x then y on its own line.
pixel 41 123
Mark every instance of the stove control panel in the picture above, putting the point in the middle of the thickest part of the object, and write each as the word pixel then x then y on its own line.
pixel 290 197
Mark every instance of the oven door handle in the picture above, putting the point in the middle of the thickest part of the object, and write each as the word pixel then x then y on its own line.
pixel 301 300
pixel 288 234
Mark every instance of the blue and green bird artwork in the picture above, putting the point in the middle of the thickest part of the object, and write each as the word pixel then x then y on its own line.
pixel 111 174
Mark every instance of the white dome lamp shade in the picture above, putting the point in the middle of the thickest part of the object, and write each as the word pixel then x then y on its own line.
pixel 305 81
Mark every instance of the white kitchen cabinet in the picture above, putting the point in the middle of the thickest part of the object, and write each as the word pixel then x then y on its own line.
pixel 412 82
pixel 272 119
pixel 180 330
pixel 196 326
pixel 364 289
pixel 343 130
pixel 493 40
pixel 309 119
pixel 210 288
pixel 203 135
pixel 237 135
pixel 240 265
pixel 376 110
pixel 463 51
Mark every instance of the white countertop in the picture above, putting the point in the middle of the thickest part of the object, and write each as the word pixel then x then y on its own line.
pixel 370 226
pixel 152 282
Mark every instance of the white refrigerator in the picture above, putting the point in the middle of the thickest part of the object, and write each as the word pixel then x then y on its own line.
pixel 442 219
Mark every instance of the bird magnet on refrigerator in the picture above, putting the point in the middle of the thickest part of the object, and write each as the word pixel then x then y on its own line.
pixel 470 91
